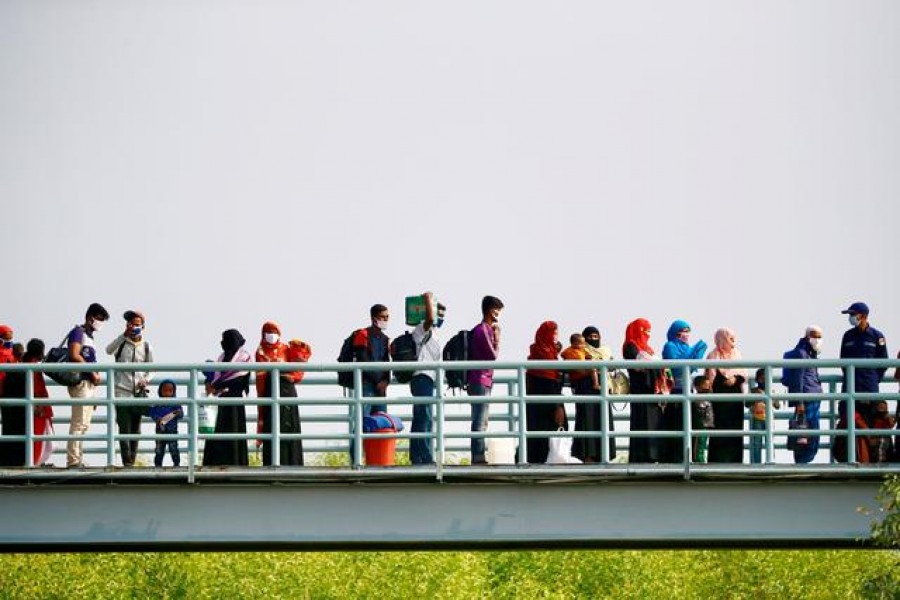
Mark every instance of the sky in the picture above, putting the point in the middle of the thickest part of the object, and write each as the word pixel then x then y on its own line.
pixel 217 164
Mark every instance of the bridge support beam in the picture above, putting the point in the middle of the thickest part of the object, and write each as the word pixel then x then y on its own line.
pixel 181 517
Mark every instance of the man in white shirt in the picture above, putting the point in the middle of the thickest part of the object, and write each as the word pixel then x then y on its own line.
pixel 428 347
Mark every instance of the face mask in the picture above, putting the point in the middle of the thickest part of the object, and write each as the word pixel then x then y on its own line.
pixel 439 322
pixel 96 324
pixel 382 325
pixel 271 338
pixel 816 344
pixel 136 331
pixel 7 343
pixel 593 343
pixel 684 336
pixel 854 320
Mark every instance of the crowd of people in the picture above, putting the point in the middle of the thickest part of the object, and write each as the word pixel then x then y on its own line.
pixel 482 343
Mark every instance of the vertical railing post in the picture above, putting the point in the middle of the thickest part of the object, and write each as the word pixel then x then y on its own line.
pixel 275 417
pixel 110 419
pixel 604 414
pixel 357 416
pixel 439 442
pixel 193 443
pixel 29 419
pixel 688 427
pixel 770 418
pixel 523 445
pixel 832 419
pixel 851 414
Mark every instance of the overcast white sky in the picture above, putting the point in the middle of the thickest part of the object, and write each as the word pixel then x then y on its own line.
pixel 220 163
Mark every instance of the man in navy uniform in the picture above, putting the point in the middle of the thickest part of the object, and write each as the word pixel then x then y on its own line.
pixel 863 341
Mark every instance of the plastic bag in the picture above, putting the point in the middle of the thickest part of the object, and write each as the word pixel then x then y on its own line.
pixel 561 451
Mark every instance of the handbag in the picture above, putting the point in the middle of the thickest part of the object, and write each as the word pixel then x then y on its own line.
pixel 704 417
pixel 621 386
pixel 561 451
pixel 798 422
pixel 57 355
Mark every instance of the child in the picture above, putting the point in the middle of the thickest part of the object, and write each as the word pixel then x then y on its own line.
pixel 758 418
pixel 702 418
pixel 166 417
pixel 881 447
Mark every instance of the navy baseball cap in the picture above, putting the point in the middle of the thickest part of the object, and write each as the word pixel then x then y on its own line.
pixel 857 308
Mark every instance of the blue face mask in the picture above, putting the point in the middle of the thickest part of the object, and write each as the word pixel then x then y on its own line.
pixel 439 322
pixel 136 331
pixel 7 343
pixel 854 320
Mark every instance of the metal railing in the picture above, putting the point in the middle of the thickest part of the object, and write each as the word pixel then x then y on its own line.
pixel 511 374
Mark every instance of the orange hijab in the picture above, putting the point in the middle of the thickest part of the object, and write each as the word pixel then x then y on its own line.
pixel 636 333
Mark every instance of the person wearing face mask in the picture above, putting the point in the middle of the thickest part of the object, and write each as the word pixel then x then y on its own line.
pixel 231 418
pixel 727 414
pixel 273 349
pixel 805 380
pixel 540 416
pixel 862 341
pixel 678 347
pixel 645 416
pixel 484 345
pixel 80 343
pixel 131 347
pixel 371 344
pixel 428 344
pixel 587 414
pixel 6 350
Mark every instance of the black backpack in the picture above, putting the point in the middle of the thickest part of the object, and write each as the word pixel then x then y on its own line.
pixel 403 349
pixel 345 378
pixel 456 348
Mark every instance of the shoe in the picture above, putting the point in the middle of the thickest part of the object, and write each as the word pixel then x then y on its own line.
pixel 75 466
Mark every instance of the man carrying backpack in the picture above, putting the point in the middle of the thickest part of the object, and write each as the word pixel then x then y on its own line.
pixel 485 345
pixel 80 342
pixel 422 385
pixel 372 345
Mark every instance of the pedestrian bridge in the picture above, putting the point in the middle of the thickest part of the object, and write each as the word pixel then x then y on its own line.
pixel 335 503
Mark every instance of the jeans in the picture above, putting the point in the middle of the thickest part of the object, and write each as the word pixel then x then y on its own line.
pixel 420 450
pixel 369 390
pixel 480 416
pixel 756 442
pixel 171 445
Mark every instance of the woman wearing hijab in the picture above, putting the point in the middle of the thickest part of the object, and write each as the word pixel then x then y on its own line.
pixel 645 416
pixel 587 415
pixel 678 348
pixel 728 415
pixel 543 382
pixel 273 349
pixel 12 454
pixel 231 418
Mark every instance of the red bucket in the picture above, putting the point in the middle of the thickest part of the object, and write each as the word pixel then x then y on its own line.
pixel 380 453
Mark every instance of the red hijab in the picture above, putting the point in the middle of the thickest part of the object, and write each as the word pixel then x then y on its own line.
pixel 545 348
pixel 636 333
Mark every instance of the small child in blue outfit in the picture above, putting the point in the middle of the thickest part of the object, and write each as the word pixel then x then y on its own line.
pixel 166 417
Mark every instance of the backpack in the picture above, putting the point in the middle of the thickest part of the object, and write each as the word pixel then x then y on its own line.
pixel 403 349
pixel 457 348
pixel 345 378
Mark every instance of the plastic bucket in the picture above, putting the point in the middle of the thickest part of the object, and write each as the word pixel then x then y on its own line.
pixel 501 451
pixel 380 453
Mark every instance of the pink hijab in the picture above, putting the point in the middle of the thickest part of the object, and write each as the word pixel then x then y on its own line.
pixel 726 349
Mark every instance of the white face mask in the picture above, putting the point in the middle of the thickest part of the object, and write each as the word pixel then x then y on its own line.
pixel 271 338
pixel 382 325
pixel 816 344
pixel 854 320
pixel 96 324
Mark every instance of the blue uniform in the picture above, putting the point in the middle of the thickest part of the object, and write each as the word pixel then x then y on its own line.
pixel 864 343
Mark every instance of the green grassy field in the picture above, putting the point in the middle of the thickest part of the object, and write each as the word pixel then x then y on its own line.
pixel 545 574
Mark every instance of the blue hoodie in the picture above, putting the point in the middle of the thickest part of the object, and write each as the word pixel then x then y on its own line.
pixel 675 349
pixel 801 381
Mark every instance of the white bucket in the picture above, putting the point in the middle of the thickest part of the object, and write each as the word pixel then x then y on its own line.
pixel 501 451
